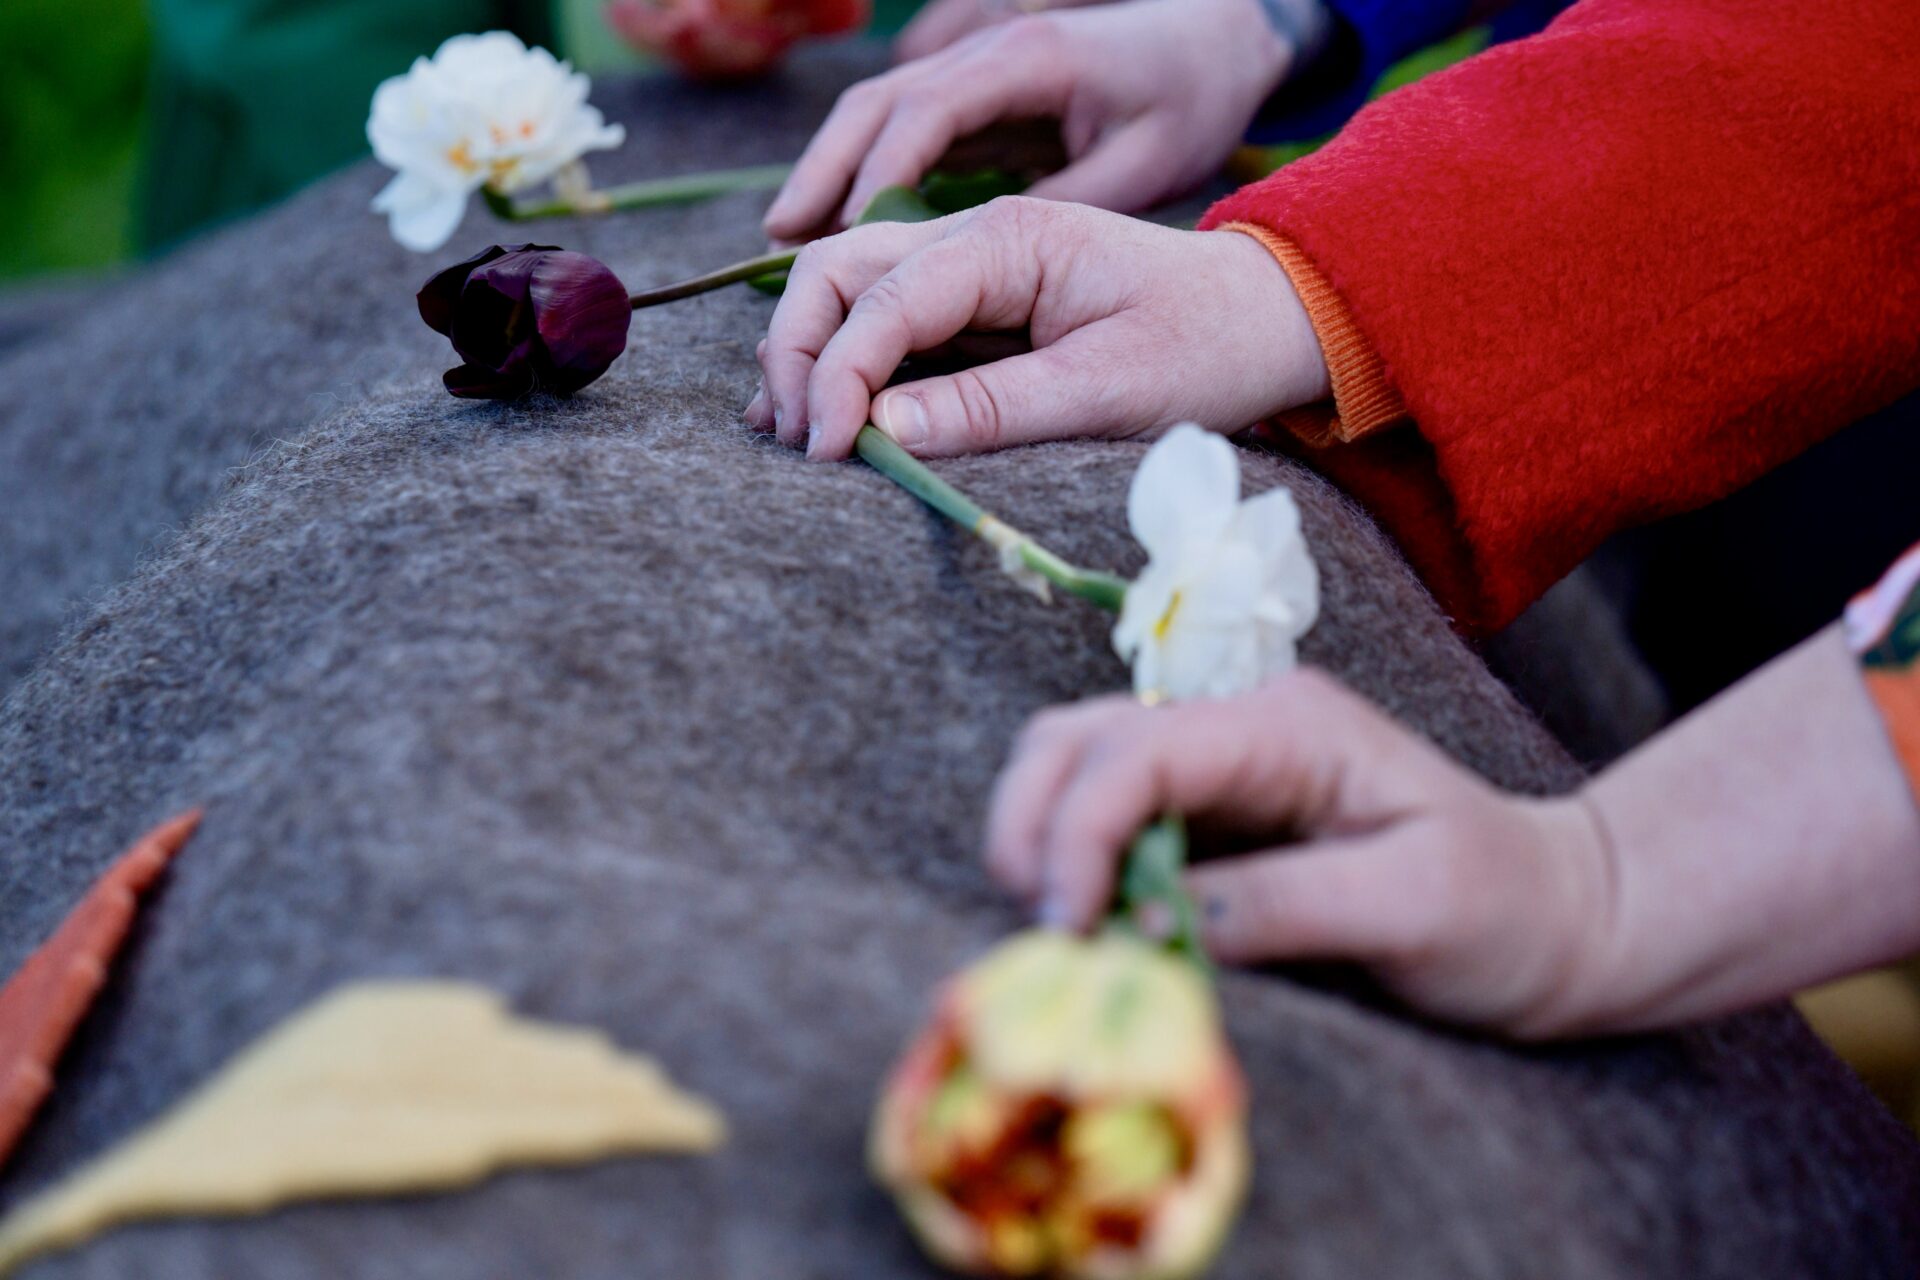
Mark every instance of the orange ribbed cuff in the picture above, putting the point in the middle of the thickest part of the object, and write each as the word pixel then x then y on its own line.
pixel 1364 399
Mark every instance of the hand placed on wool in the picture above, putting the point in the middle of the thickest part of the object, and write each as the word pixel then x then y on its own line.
pixel 1151 98
pixel 1471 904
pixel 1133 328
pixel 1763 844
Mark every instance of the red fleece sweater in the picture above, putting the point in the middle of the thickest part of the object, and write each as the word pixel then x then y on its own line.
pixel 1616 271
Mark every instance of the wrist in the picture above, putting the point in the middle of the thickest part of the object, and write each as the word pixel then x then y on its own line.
pixel 1281 345
pixel 1582 921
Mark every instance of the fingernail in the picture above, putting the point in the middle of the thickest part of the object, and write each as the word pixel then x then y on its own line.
pixel 902 417
pixel 813 438
pixel 1052 914
pixel 779 419
pixel 756 414
pixel 1215 908
pixel 1155 920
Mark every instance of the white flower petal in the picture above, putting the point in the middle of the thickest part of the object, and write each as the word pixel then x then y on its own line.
pixel 1184 490
pixel 484 109
pixel 1208 662
pixel 1290 581
pixel 1143 606
pixel 1229 587
pixel 421 214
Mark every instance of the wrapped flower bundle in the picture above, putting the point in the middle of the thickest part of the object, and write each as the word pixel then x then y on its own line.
pixel 1072 1109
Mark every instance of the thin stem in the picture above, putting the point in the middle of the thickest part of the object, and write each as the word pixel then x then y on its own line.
pixel 890 460
pixel 684 189
pixel 751 268
pixel 1152 899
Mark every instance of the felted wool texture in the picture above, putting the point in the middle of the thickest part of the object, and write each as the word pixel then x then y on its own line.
pixel 120 423
pixel 650 724
pixel 1570 659
pixel 1617 270
pixel 135 400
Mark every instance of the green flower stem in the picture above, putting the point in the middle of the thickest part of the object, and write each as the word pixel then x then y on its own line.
pixel 750 269
pixel 1151 899
pixel 890 460
pixel 684 189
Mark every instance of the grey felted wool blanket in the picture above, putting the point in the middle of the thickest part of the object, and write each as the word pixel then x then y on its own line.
pixel 650 724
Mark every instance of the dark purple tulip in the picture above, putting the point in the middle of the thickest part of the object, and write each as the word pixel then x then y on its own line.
pixel 527 317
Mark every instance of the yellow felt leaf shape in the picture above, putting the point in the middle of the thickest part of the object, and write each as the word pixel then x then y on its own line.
pixel 381 1087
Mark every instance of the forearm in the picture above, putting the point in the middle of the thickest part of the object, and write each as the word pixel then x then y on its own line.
pixel 1541 243
pixel 1767 842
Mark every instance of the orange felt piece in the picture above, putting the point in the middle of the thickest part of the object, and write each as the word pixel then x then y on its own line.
pixel 43 1003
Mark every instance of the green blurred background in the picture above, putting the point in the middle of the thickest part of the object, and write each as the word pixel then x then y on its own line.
pixel 84 85
pixel 129 125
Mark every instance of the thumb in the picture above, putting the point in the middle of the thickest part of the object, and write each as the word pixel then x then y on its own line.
pixel 1070 389
pixel 1368 898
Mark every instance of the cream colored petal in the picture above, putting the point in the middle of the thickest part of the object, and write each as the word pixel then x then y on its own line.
pixel 382 1088
pixel 1105 1017
pixel 421 214
pixel 1290 588
pixel 1210 647
pixel 1184 491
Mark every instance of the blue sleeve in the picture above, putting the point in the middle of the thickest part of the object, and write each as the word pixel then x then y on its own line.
pixel 1370 36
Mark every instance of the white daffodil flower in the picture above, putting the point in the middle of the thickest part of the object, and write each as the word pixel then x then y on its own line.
pixel 485 110
pixel 1229 585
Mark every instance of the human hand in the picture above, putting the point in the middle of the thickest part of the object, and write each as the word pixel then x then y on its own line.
pixel 942 22
pixel 1134 327
pixel 1152 96
pixel 1471 904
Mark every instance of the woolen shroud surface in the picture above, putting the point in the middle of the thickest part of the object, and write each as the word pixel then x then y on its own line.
pixel 652 725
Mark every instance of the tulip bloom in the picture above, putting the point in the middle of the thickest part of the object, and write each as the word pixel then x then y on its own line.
pixel 1073 1110
pixel 525 318
pixel 719 39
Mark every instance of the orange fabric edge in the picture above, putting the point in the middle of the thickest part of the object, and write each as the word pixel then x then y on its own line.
pixel 1364 398
pixel 1896 696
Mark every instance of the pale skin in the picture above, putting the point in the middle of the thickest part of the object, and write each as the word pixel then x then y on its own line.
pixel 1767 842
pixel 1151 96
pixel 1133 328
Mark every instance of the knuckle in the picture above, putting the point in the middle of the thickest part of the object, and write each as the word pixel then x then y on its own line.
pixel 982 408
pixel 884 297
pixel 1006 215
pixel 811 259
pixel 1045 729
pixel 1031 32
pixel 860 97
pixel 1307 689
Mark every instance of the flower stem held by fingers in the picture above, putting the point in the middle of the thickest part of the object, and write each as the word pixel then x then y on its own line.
pixel 1152 900
pixel 750 269
pixel 652 193
pixel 1019 553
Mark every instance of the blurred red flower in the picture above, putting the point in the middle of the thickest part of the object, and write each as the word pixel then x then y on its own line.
pixel 722 39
